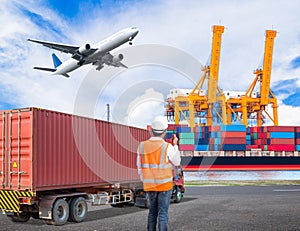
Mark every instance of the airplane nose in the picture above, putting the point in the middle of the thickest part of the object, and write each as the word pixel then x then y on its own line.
pixel 135 30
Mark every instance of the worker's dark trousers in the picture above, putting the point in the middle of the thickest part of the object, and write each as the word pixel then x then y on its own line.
pixel 158 210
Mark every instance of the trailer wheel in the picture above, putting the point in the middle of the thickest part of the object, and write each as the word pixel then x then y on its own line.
pixel 78 209
pixel 20 217
pixel 35 215
pixel 178 195
pixel 60 213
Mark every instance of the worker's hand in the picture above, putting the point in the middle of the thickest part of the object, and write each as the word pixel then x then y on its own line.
pixel 174 140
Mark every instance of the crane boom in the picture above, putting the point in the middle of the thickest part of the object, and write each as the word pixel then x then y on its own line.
pixel 266 75
pixel 215 63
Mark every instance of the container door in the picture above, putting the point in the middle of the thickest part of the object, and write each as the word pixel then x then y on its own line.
pixel 15 149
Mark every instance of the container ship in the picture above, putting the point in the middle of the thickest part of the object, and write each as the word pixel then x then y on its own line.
pixel 232 146
pixel 235 147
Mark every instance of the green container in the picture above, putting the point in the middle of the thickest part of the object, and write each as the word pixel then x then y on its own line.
pixel 189 135
pixel 255 136
pixel 171 131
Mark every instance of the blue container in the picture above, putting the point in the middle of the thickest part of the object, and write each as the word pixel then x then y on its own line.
pixel 215 134
pixel 202 147
pixel 217 141
pixel 183 129
pixel 290 135
pixel 234 147
pixel 297 135
pixel 248 142
pixel 199 135
pixel 248 131
pixel 207 135
pixel 233 128
pixel 168 135
pixel 297 147
pixel 201 141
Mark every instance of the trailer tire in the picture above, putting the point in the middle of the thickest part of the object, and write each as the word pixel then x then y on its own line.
pixel 21 217
pixel 35 215
pixel 78 209
pixel 60 213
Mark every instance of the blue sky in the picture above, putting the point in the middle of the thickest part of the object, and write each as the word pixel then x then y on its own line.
pixel 184 25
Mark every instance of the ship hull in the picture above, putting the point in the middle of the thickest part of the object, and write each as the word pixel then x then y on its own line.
pixel 221 163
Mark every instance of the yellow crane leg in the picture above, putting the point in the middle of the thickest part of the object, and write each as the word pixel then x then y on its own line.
pixel 275 113
pixel 224 119
pixel 259 118
pixel 209 115
pixel 244 112
pixel 176 111
pixel 229 117
pixel 192 118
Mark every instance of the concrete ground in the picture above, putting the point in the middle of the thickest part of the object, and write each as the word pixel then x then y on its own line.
pixel 203 208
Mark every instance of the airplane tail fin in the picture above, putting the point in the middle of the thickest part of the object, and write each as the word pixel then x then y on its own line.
pixel 56 63
pixel 56 60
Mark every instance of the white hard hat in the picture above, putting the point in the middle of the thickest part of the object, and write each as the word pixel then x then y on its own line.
pixel 159 124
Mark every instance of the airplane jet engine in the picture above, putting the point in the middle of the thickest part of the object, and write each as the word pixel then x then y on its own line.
pixel 84 48
pixel 118 58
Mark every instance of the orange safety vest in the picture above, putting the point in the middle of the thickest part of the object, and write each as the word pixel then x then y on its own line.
pixel 156 171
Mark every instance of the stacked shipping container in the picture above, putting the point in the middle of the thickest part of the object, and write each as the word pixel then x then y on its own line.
pixel 297 138
pixel 236 138
pixel 209 138
pixel 272 138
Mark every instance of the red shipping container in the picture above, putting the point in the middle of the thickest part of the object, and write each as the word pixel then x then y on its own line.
pixel 261 142
pixel 186 147
pixel 233 134
pixel 214 128
pixel 297 141
pixel 255 129
pixel 281 147
pixel 47 150
pixel 262 135
pixel 171 127
pixel 281 141
pixel 297 129
pixel 249 147
pixel 196 129
pixel 233 140
pixel 280 128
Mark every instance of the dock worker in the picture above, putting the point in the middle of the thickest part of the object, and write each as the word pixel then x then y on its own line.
pixel 154 162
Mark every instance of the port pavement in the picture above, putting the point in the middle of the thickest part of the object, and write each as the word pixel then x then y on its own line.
pixel 273 207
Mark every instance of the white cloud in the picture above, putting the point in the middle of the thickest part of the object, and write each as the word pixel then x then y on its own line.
pixel 288 115
pixel 144 108
pixel 184 25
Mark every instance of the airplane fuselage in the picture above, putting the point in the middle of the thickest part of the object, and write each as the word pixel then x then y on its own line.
pixel 110 43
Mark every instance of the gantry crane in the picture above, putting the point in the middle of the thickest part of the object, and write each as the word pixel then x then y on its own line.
pixel 248 105
pixel 196 103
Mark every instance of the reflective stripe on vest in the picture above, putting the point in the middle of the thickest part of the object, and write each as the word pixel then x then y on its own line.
pixel 162 156
pixel 158 181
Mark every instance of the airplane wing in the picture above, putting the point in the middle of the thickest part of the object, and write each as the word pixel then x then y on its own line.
pixel 110 60
pixel 57 46
pixel 69 49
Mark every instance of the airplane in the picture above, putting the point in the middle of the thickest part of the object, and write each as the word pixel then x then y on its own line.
pixel 98 54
